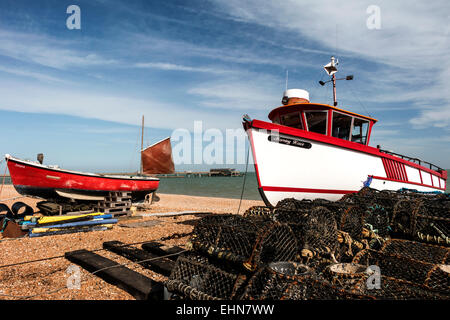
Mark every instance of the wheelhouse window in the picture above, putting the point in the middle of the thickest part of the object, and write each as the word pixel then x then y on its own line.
pixel 360 130
pixel 316 121
pixel 292 120
pixel 342 124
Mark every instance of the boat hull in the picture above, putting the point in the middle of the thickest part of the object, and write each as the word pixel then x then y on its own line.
pixel 292 163
pixel 35 180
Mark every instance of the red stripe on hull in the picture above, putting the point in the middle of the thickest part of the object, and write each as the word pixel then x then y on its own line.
pixel 306 190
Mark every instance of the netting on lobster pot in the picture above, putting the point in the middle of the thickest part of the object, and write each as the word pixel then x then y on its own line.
pixel 292 281
pixel 320 238
pixel 276 281
pixel 259 212
pixel 194 277
pixel 432 220
pixel 398 289
pixel 417 251
pixel 247 242
pixel 402 222
pixel 228 237
pixel 439 279
pixel 361 197
pixel 376 219
pixel 395 266
pixel 295 218
pixel 320 229
pixel 295 204
pixel 352 221
pixel 275 242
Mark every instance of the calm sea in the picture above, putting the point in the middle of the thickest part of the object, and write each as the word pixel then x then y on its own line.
pixel 222 187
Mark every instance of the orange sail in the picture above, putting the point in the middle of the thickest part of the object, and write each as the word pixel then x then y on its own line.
pixel 157 158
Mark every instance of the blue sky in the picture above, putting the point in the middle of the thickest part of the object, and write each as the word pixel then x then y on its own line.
pixel 78 95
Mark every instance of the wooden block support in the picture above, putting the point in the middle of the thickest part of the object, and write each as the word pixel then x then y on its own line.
pixel 161 250
pixel 136 284
pixel 116 203
pixel 163 266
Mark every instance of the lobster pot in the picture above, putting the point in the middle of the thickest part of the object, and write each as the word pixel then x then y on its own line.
pixel 396 266
pixel 423 219
pixel 352 221
pixel 418 251
pixel 244 241
pixel 315 229
pixel 397 289
pixel 228 237
pixel 439 279
pixel 277 281
pixel 376 218
pixel 403 217
pixel 432 220
pixel 292 281
pixel 194 277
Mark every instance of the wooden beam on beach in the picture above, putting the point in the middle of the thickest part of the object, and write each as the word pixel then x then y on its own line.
pixel 161 250
pixel 146 259
pixel 167 214
pixel 136 284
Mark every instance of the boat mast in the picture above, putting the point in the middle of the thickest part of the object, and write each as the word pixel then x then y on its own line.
pixel 142 145
pixel 331 69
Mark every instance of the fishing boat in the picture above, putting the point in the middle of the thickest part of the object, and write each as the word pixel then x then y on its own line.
pixel 34 179
pixel 313 150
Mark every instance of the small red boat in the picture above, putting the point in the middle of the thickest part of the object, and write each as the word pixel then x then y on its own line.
pixel 34 179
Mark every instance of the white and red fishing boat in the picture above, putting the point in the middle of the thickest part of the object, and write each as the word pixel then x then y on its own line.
pixel 33 179
pixel 312 150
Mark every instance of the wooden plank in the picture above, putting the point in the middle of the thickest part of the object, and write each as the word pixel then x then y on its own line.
pixel 136 284
pixel 161 250
pixel 163 266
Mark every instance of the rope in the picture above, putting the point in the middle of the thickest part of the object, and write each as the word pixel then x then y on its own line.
pixel 13 198
pixel 245 177
pixel 175 235
pixel 4 174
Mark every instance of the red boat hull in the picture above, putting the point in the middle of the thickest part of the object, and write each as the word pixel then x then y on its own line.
pixel 35 180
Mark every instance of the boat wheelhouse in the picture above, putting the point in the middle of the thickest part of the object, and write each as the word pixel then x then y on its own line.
pixel 312 150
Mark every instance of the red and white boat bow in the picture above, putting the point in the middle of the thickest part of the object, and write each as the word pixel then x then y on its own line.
pixel 312 150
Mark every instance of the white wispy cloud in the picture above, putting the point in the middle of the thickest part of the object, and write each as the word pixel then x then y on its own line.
pixel 37 98
pixel 178 67
pixel 31 74
pixel 48 51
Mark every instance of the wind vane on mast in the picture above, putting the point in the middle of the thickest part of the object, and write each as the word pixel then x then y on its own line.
pixel 331 69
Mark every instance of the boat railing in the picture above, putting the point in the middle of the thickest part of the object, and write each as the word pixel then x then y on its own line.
pixel 415 160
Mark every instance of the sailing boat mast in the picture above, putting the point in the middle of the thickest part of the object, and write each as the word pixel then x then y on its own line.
pixel 141 170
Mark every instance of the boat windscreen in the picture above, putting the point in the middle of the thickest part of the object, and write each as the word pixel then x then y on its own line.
pixel 360 130
pixel 316 121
